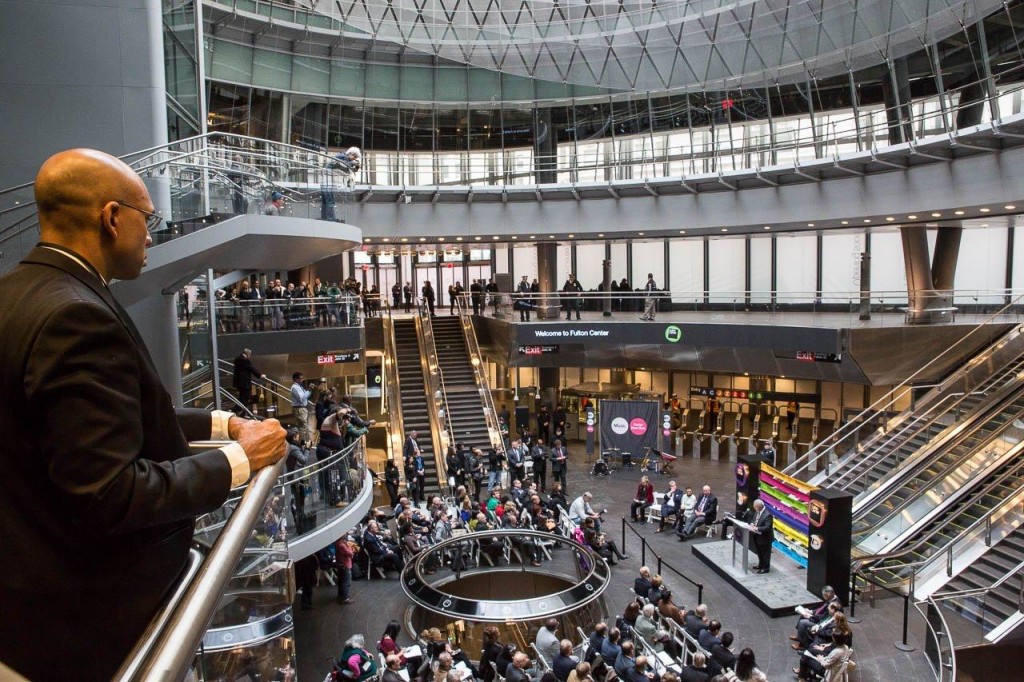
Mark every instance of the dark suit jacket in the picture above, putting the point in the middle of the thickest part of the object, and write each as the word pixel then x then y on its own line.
pixel 641 586
pixel 765 527
pixel 691 674
pixel 100 488
pixel 710 507
pixel 244 373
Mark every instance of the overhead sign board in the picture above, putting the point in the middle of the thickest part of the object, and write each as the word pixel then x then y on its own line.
pixel 538 350
pixel 338 358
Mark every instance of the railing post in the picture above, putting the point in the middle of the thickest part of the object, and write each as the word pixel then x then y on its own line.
pixel 853 598
pixel 643 551
pixel 902 645
pixel 700 593
pixel 623 544
pixel 659 565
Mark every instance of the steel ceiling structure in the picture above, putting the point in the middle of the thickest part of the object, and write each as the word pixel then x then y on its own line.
pixel 661 44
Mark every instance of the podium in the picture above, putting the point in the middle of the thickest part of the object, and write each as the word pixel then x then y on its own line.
pixel 748 531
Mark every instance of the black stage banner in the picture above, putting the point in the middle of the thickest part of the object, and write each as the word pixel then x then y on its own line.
pixel 629 425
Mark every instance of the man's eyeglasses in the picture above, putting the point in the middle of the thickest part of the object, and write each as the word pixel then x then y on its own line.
pixel 152 219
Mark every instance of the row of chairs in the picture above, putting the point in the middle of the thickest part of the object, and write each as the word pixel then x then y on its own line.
pixel 653 514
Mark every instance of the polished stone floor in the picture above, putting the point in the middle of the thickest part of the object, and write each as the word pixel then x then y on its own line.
pixel 321 631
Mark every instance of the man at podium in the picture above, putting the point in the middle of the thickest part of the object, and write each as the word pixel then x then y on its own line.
pixel 764 535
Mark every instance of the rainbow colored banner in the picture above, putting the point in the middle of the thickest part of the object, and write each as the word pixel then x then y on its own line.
pixel 787 499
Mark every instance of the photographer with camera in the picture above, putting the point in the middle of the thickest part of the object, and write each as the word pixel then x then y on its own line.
pixel 580 510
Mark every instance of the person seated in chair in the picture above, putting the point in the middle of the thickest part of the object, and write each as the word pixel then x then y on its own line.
pixel 519 669
pixel 382 552
pixel 704 513
pixel 831 667
pixel 671 506
pixel 696 671
pixel 610 647
pixel 642 584
pixel 564 662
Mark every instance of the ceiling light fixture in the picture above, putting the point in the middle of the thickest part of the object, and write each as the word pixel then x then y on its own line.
pixel 767 227
pixel 984 210
pixel 844 222
pixel 958 212
pixel 911 217
pixel 889 218
pixel 936 215
pixel 810 224
pixel 1009 207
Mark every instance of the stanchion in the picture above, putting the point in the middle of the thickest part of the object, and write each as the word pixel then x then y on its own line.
pixel 853 599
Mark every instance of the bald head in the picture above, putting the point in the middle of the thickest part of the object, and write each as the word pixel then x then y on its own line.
pixel 95 205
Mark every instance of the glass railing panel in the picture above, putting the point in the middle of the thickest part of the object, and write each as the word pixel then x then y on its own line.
pixel 237 317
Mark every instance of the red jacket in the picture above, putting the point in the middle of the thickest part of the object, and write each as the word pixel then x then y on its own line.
pixel 645 493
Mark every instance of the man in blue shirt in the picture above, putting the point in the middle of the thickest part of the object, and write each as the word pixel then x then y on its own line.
pixel 300 405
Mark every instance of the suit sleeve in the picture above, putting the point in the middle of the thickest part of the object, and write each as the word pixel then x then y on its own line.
pixel 82 380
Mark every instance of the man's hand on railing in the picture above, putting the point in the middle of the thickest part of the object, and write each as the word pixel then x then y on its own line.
pixel 263 441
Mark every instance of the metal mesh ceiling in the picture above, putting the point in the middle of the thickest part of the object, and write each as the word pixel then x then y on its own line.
pixel 661 44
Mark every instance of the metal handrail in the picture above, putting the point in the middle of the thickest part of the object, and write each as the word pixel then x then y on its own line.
pixel 440 433
pixel 962 432
pixel 941 670
pixel 179 630
pixel 396 420
pixel 476 362
pixel 871 562
pixel 889 399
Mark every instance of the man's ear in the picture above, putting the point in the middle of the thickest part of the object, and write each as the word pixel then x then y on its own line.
pixel 110 217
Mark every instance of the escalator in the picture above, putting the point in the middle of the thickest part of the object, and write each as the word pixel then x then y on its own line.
pixel 886 452
pixel 415 403
pixel 949 519
pixel 968 451
pixel 465 403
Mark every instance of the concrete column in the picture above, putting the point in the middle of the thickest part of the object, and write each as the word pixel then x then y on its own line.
pixel 947 249
pixel 547 276
pixel 156 318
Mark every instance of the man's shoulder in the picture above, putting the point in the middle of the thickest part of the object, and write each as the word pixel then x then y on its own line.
pixel 34 293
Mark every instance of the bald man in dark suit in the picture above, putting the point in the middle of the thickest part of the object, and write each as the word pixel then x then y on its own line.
pixel 101 489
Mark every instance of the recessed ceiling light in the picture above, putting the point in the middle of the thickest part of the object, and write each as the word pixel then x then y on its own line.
pixel 984 210
pixel 514 237
pixel 725 229
pixel 867 220
pixel 936 215
pixel 767 227
pixel 889 218
pixel 440 239
pixel 533 236
pixel 387 239
pixel 405 239
pixel 912 217
pixel 642 234
pixel 423 239
pixel 844 222
pixel 984 224
pixel 682 231
pixel 600 234
pixel 1009 207
pixel 495 237
pixel 458 239
pixel 958 212
pixel 551 236
pixel 810 224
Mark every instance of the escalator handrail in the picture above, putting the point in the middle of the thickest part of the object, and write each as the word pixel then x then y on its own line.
pixel 178 629
pixel 433 384
pixel 870 561
pixel 898 391
pixel 908 429
pixel 473 347
pixel 951 439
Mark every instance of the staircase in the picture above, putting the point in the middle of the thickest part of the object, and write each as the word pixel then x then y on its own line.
pixel 415 404
pixel 999 603
pixel 465 406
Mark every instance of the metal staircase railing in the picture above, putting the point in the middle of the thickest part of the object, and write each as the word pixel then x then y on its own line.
pixel 476 360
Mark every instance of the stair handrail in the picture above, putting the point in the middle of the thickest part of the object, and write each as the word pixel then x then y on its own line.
pixel 870 562
pixel 170 643
pixel 848 430
pixel 975 591
pixel 938 444
pixel 476 361
pixel 433 381
pixel 940 667
pixel 993 515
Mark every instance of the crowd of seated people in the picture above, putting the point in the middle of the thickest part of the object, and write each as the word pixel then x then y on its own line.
pixel 686 511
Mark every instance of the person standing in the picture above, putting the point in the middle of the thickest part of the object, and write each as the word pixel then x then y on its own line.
pixel 492 294
pixel 300 405
pixel 396 296
pixel 559 464
pixel 407 296
pixel 524 301
pixel 792 407
pixel 476 295
pixel 764 535
pixel 392 479
pixel 103 489
pixel 428 296
pixel 650 299
pixel 517 461
pixel 539 454
pixel 544 423
pixel 242 377
pixel 571 292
